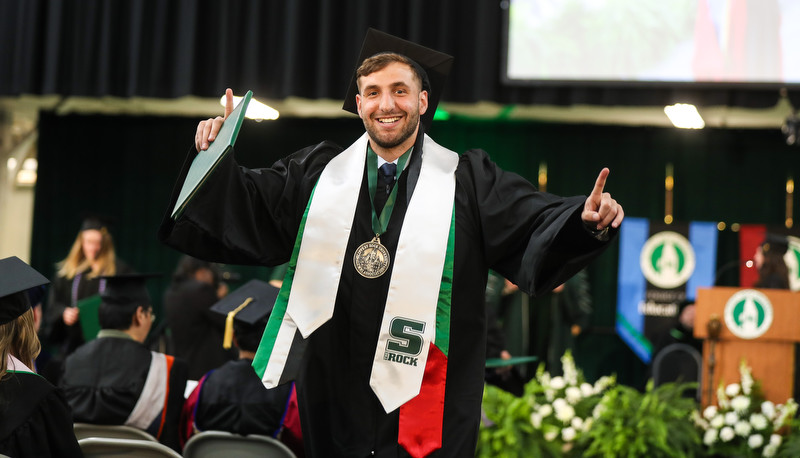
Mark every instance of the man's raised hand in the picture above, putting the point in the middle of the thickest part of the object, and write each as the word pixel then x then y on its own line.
pixel 600 210
pixel 207 130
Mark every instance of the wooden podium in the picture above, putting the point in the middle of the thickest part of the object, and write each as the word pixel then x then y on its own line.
pixel 770 355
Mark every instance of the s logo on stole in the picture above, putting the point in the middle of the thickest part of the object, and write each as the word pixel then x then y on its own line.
pixel 405 341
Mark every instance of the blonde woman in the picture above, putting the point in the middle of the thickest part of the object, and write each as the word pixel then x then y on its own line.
pixel 35 420
pixel 92 255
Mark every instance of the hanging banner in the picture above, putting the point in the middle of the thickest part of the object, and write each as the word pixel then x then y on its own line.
pixel 750 238
pixel 659 267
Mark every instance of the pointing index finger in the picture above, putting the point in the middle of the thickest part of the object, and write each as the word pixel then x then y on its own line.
pixel 600 183
pixel 228 102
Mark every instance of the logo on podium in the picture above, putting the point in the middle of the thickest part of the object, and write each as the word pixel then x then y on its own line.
pixel 748 314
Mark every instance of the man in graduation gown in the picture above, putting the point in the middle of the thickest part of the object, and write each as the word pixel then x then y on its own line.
pixel 116 380
pixel 387 372
pixel 35 420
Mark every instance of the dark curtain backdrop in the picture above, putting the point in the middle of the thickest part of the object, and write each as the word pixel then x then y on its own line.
pixel 279 48
pixel 124 167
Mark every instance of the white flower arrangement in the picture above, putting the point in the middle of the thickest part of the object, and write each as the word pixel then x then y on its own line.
pixel 567 417
pixel 563 406
pixel 743 423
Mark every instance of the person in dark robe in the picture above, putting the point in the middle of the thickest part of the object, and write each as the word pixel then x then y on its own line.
pixel 507 377
pixel 359 329
pixel 116 380
pixel 91 256
pixel 772 270
pixel 773 273
pixel 35 419
pixel 559 318
pixel 196 331
pixel 232 398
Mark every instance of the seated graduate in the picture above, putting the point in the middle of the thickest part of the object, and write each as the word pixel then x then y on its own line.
pixel 35 420
pixel 116 380
pixel 232 398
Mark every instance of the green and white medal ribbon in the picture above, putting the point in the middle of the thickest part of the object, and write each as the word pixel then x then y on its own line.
pixel 371 259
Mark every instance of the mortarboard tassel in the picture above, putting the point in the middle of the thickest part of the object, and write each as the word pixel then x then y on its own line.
pixel 227 341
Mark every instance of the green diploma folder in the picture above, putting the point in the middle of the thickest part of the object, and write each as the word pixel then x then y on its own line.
pixel 499 362
pixel 205 161
pixel 90 321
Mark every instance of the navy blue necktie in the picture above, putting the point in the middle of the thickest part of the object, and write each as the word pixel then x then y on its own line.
pixel 386 174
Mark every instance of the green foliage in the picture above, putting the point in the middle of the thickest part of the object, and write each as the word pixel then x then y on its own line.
pixel 510 430
pixel 567 417
pixel 791 444
pixel 651 424
pixel 546 421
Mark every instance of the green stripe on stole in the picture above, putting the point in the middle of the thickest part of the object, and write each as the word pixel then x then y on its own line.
pixel 267 343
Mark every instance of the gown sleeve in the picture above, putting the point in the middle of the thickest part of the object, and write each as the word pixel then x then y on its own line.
pixel 246 216
pixel 47 431
pixel 535 239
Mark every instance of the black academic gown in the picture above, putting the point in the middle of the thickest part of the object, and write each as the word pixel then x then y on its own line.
pixel 103 379
pixel 244 216
pixel 35 420
pixel 233 399
pixel 65 292
pixel 196 331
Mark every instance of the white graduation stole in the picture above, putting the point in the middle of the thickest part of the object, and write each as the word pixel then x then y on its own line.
pixel 409 321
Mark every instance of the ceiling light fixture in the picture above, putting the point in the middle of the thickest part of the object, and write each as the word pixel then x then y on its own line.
pixel 27 174
pixel 255 110
pixel 684 116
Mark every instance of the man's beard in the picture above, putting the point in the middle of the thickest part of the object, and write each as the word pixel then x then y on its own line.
pixel 409 130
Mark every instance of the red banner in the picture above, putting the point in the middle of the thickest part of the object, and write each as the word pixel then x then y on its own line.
pixel 750 237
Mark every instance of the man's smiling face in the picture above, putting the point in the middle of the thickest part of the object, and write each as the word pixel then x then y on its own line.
pixel 390 102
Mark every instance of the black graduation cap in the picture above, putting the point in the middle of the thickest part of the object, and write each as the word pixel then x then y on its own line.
pixel 96 222
pixel 775 243
pixel 126 289
pixel 436 64
pixel 249 304
pixel 16 278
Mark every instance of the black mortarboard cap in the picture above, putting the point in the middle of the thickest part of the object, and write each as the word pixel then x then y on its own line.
pixel 436 64
pixel 249 304
pixel 126 289
pixel 16 278
pixel 95 222
pixel 775 243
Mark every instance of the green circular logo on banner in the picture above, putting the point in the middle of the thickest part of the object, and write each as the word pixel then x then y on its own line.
pixel 748 314
pixel 792 258
pixel 667 260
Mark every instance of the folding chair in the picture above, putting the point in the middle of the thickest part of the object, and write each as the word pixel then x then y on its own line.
pixel 103 447
pixel 678 362
pixel 84 430
pixel 213 444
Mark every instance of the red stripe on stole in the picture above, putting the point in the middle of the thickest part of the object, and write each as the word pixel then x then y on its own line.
pixel 420 429
pixel 169 360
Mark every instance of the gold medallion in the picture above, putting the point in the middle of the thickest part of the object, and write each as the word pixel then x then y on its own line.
pixel 371 259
